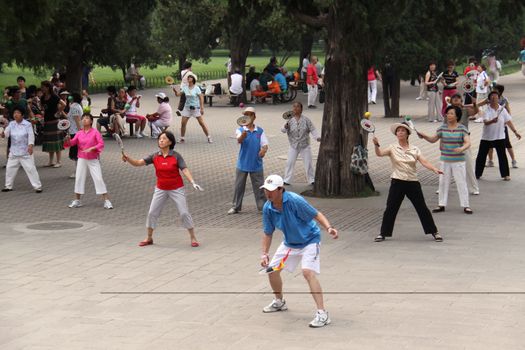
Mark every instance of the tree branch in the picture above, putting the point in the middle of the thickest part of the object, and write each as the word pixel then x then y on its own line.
pixel 313 21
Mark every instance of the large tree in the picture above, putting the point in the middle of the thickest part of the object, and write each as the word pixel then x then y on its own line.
pixel 75 33
pixel 187 29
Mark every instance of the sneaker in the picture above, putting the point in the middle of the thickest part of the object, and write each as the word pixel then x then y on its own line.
pixel 321 319
pixel 181 140
pixel 490 164
pixel 38 190
pixel 475 193
pixel 75 204
pixel 379 238
pixel 6 189
pixel 515 164
pixel 107 204
pixel 138 135
pixel 419 98
pixel 275 305
pixel 210 140
pixel 232 211
pixel 142 134
pixel 72 176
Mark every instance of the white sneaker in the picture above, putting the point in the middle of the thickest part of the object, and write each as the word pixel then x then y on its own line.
pixel 475 193
pixel 321 319
pixel 419 98
pixel 515 164
pixel 107 204
pixel 490 164
pixel 75 204
pixel 275 305
pixel 138 135
pixel 232 211
pixel 210 140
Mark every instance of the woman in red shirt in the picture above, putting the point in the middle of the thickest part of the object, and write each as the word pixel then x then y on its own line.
pixel 167 164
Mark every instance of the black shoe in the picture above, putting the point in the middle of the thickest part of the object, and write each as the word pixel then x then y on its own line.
pixel 5 189
pixel 438 209
pixel 178 113
pixel 38 190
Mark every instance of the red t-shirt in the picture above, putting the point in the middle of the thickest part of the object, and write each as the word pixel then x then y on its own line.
pixel 371 74
pixel 167 169
pixel 311 75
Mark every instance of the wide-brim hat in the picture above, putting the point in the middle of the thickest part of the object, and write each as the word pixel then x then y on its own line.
pixel 394 127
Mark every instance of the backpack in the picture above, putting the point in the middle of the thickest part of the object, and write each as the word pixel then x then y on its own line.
pixel 359 160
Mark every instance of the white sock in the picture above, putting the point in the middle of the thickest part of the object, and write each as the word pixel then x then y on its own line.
pixel 322 312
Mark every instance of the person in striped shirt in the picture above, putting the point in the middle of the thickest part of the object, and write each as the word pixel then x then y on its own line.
pixel 455 140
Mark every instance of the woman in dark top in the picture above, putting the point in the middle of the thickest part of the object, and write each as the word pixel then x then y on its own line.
pixel 450 84
pixel 53 142
pixel 434 104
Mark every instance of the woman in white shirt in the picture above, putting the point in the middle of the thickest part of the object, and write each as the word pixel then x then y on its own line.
pixel 21 152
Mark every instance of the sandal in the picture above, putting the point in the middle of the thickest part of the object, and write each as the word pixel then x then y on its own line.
pixel 195 244
pixel 438 209
pixel 379 238
pixel 437 237
pixel 467 210
pixel 145 243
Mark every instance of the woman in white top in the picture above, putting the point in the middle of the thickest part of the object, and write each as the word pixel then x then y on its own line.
pixel 404 158
pixel 21 152
pixel 193 107
pixel 161 119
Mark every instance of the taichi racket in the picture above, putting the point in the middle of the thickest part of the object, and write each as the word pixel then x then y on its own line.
pixel 271 269
pixel 119 142
pixel 368 126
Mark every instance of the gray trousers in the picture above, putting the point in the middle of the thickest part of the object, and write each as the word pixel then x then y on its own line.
pixel 257 179
pixel 159 201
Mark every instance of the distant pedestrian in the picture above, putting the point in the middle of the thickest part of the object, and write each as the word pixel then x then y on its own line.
pixel 373 76
pixel 311 80
pixel 434 102
pixel 450 84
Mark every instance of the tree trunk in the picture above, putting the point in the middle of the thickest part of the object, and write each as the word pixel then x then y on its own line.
pixel 346 101
pixel 74 73
pixel 307 41
pixel 123 69
pixel 181 58
pixel 239 50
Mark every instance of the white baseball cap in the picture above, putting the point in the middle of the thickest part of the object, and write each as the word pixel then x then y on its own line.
pixel 161 95
pixel 273 182
pixel 248 109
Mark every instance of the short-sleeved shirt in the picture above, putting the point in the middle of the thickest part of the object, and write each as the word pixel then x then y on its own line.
pixel 165 112
pixel 295 220
pixel 451 139
pixel 167 169
pixel 75 110
pixel 311 75
pixel 236 83
pixel 299 132
pixel 279 77
pixel 192 96
pixel 249 160
pixel 450 78
pixel 522 56
pixel 481 88
pixel 371 74
pixel 495 131
pixel 404 162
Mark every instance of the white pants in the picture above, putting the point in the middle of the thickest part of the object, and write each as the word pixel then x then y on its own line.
pixel 312 94
pixel 306 154
pixel 472 182
pixel 523 68
pixel 372 91
pixel 456 169
pixel 28 164
pixel 434 106
pixel 93 165
pixel 309 257
pixel 159 201
pixel 157 126
pixel 423 93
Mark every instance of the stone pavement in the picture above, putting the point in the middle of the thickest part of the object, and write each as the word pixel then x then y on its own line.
pixel 60 268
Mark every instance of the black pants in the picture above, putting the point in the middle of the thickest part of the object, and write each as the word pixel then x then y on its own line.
pixel 398 190
pixel 483 151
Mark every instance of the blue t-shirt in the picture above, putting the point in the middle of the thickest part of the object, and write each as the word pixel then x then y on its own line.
pixel 249 160
pixel 296 221
pixel 522 56
pixel 281 79
pixel 192 96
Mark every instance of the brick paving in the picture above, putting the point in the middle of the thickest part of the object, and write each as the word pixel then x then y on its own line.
pixel 52 282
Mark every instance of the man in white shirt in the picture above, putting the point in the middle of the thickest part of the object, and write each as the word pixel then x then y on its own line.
pixel 236 86
pixel 493 136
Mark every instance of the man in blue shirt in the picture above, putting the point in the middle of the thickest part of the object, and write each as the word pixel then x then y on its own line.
pixel 281 79
pixel 296 218
pixel 254 145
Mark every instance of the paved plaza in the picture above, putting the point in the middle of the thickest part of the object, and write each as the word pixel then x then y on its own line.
pixel 76 279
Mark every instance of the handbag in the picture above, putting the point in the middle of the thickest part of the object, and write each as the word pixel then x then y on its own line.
pixel 359 160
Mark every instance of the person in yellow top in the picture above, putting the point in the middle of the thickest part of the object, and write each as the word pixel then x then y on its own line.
pixel 404 158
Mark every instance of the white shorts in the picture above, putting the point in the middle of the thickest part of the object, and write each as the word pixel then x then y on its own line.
pixel 187 112
pixel 309 257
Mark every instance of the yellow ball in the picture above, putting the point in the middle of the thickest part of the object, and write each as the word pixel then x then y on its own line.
pixel 367 115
